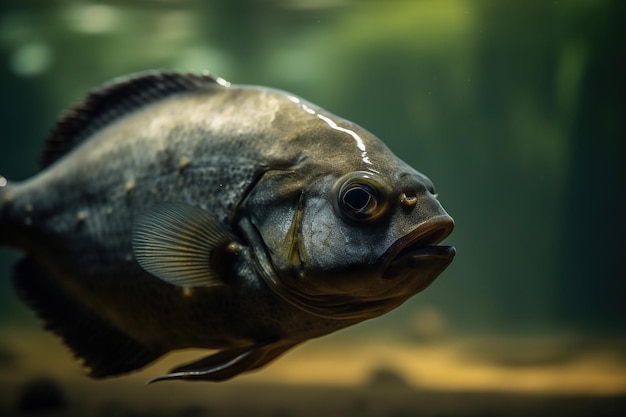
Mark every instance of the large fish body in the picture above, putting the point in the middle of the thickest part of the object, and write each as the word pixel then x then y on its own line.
pixel 177 210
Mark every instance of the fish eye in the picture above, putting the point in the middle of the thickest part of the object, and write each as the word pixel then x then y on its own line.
pixel 361 196
pixel 361 199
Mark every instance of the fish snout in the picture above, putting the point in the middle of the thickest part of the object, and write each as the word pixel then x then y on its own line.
pixel 418 251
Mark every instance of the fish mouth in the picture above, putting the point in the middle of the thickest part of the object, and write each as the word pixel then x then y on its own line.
pixel 417 254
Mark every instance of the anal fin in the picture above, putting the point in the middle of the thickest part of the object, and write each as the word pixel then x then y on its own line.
pixel 228 363
pixel 105 350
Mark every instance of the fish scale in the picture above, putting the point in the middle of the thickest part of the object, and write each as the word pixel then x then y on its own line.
pixel 176 210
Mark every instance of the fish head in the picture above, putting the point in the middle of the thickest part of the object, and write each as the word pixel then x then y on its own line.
pixel 347 235
pixel 369 244
pixel 373 237
pixel 353 247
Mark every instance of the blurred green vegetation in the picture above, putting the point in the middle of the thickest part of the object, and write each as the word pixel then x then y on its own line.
pixel 514 109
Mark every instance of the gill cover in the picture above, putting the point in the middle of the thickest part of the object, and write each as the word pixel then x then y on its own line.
pixel 318 243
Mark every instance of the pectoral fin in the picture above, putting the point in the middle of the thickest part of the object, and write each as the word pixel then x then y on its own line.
pixel 227 363
pixel 182 245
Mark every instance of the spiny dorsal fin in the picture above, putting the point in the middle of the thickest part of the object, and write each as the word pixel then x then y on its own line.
pixel 119 97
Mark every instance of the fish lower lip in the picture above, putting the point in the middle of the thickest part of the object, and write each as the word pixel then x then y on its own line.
pixel 425 252
pixel 420 260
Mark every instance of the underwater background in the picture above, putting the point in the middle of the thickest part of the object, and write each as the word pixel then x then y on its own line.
pixel 516 111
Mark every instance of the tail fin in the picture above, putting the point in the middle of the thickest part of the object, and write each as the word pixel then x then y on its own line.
pixel 5 203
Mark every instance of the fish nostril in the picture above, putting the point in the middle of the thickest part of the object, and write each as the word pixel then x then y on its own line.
pixel 408 201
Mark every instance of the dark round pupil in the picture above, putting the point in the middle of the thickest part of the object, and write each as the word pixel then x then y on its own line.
pixel 357 198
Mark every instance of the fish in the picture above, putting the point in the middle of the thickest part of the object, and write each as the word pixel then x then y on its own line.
pixel 176 210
